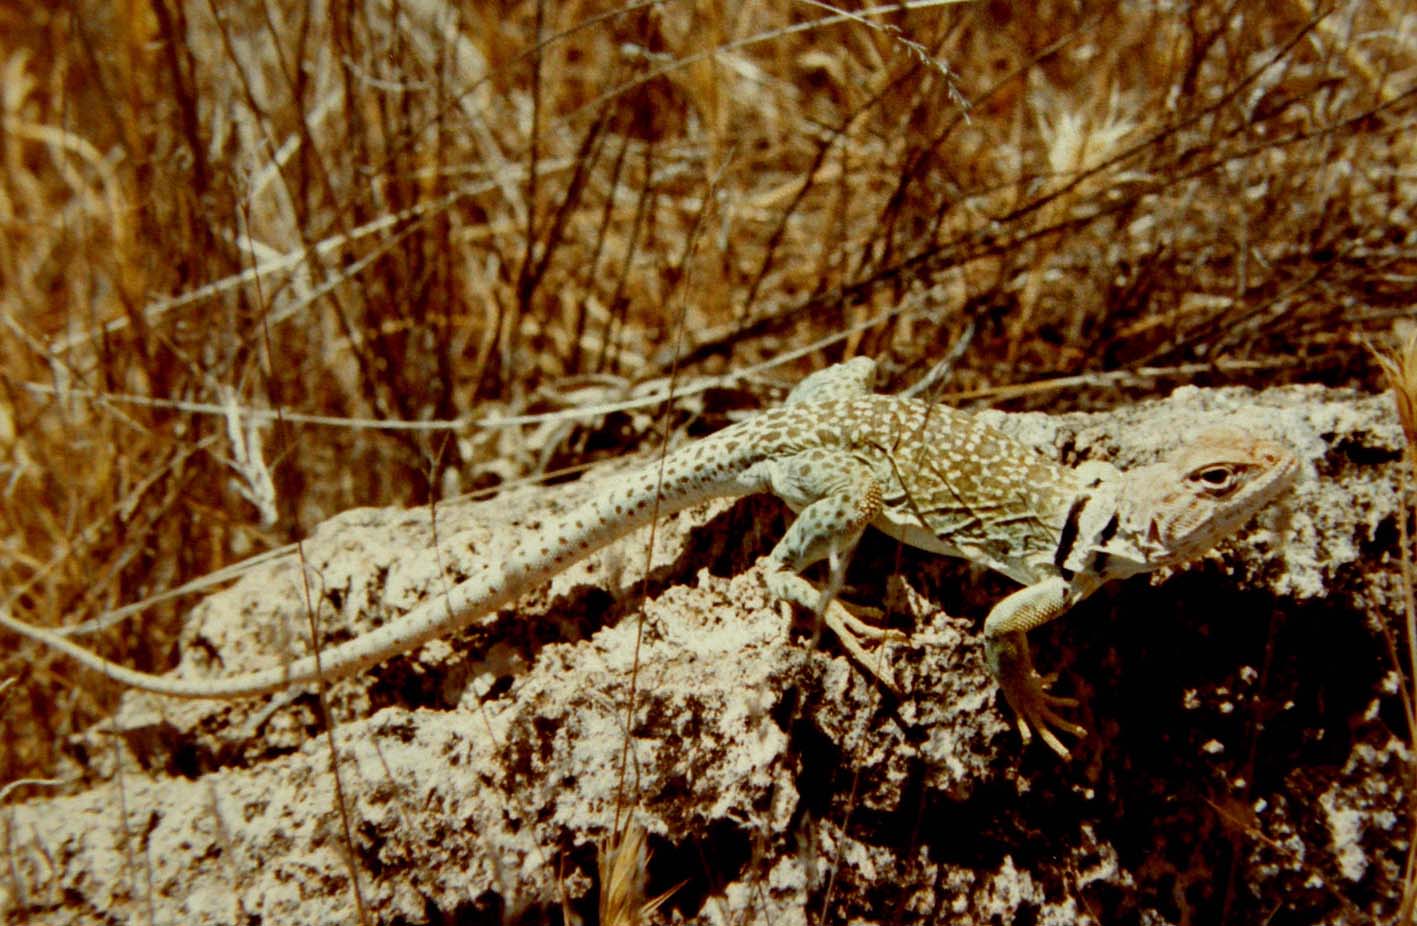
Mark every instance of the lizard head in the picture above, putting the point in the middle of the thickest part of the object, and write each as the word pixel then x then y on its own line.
pixel 1202 493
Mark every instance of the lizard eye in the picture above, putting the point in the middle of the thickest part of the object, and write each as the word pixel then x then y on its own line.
pixel 1218 480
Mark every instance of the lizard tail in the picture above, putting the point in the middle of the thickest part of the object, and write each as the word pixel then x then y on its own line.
pixel 683 479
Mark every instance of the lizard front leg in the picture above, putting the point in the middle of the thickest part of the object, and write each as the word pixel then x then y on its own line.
pixel 1006 648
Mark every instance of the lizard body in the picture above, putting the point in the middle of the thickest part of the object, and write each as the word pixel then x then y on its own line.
pixel 845 458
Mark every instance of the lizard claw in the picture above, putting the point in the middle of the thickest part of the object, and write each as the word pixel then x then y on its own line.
pixel 849 621
pixel 856 636
pixel 852 632
pixel 864 612
pixel 1038 710
pixel 1027 692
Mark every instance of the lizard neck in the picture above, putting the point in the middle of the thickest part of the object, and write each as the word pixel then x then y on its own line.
pixel 1096 542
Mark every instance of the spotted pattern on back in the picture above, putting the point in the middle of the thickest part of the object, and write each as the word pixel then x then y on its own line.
pixel 950 483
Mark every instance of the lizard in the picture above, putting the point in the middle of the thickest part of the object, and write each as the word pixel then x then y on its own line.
pixel 843 458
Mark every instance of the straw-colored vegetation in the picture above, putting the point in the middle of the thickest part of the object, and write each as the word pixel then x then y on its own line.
pixel 263 262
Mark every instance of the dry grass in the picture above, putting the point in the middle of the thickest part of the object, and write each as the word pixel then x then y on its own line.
pixel 402 214
pixel 1400 369
pixel 622 863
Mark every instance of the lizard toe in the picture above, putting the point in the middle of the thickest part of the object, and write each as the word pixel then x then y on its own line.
pixel 1038 710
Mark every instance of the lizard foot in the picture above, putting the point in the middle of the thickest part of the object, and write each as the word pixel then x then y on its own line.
pixel 857 637
pixel 1037 710
pixel 868 614
pixel 861 620
pixel 1027 692
pixel 852 631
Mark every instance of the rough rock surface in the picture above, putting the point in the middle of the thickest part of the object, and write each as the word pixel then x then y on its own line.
pixel 1248 760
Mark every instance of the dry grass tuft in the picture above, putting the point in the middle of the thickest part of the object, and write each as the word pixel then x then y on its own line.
pixel 623 864
pixel 1400 368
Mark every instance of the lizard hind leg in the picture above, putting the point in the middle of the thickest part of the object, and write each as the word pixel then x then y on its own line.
pixel 828 529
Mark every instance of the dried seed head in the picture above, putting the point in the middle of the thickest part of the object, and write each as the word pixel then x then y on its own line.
pixel 624 865
pixel 1401 370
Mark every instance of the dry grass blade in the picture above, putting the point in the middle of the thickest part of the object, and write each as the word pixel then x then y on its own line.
pixel 623 863
pixel 1400 368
